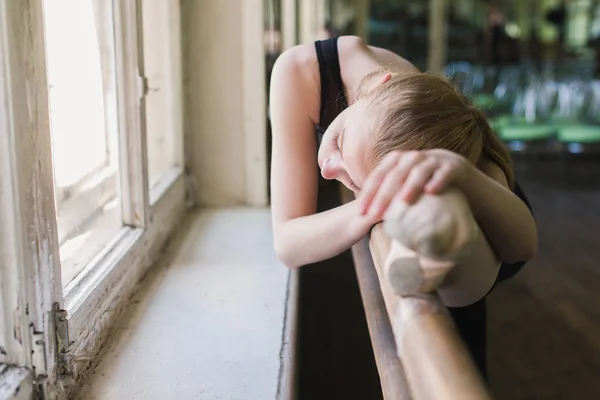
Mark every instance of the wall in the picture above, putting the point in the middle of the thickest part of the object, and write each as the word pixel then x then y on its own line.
pixel 225 101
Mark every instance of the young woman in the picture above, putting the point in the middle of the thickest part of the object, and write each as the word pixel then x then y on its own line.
pixel 345 111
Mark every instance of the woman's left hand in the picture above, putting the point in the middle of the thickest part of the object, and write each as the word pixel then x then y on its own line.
pixel 405 175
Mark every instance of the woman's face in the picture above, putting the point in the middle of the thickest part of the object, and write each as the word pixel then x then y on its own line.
pixel 344 150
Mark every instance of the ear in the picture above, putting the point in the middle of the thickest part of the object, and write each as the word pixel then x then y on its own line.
pixel 386 77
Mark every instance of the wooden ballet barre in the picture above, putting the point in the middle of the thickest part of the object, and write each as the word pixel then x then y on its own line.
pixel 391 374
pixel 435 364
pixel 434 358
pixel 389 367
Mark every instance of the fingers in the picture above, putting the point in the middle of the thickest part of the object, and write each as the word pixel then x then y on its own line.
pixel 439 180
pixel 386 188
pixel 375 179
pixel 404 176
pixel 418 178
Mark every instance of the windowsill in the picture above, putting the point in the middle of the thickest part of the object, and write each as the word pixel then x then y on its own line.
pixel 160 187
pixel 101 234
pixel 209 321
pixel 98 295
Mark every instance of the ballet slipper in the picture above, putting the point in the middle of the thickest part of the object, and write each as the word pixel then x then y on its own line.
pixel 428 239
pixel 439 226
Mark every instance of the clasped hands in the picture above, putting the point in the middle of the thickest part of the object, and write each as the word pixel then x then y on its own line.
pixel 406 175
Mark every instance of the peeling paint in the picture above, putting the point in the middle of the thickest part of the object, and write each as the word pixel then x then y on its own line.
pixel 27 151
pixel 18 335
pixel 15 383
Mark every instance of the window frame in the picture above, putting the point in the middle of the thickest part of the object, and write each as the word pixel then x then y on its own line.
pixel 29 261
pixel 12 252
pixel 29 246
pixel 94 298
pixel 173 93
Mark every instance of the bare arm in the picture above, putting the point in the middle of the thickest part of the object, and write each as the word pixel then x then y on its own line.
pixel 317 237
pixel 301 236
pixel 505 219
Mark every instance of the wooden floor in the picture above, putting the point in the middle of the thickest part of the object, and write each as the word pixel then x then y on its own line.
pixel 544 323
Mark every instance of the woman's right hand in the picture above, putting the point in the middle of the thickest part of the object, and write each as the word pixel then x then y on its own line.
pixel 405 175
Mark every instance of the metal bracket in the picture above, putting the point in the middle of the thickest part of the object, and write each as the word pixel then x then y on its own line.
pixel 38 354
pixel 61 327
pixel 142 86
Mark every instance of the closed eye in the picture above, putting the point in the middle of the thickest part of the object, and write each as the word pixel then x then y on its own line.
pixel 353 187
pixel 336 143
pixel 335 140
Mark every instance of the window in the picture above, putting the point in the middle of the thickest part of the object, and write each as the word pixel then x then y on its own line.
pixel 80 56
pixel 84 116
pixel 91 183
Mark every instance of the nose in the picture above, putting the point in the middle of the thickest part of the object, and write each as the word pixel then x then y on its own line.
pixel 332 167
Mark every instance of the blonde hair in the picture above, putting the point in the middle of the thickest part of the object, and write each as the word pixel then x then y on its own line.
pixel 417 111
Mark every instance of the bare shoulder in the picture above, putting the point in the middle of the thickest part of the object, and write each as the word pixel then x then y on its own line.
pixel 297 70
pixel 300 55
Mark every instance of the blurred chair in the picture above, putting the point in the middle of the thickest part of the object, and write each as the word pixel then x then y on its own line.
pixel 526 127
pixel 578 138
pixel 577 120
pixel 523 136
pixel 577 117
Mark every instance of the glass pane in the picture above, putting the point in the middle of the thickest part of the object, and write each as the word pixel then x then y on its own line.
pixel 160 102
pixel 83 111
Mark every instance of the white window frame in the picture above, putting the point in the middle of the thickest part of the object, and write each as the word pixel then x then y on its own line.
pixel 173 92
pixel 94 298
pixel 29 255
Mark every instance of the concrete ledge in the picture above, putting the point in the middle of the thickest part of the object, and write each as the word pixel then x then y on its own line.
pixel 208 322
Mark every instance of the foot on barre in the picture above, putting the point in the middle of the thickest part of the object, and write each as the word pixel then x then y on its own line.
pixel 428 237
